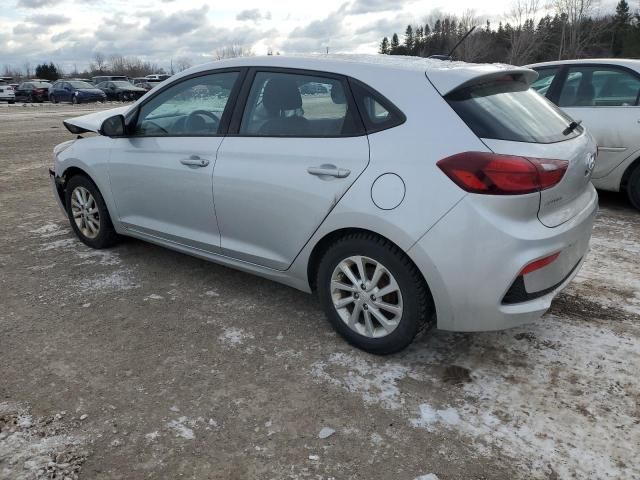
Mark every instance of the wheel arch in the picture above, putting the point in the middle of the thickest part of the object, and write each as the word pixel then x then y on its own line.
pixel 627 173
pixel 328 239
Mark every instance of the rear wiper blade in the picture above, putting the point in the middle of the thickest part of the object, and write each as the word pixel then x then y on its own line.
pixel 572 126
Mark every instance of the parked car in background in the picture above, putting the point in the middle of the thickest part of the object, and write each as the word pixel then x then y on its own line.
pixel 605 95
pixel 157 77
pixel 32 91
pixel 144 83
pixel 121 90
pixel 404 192
pixel 108 78
pixel 7 93
pixel 75 91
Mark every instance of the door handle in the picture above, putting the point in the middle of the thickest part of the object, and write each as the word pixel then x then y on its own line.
pixel 195 161
pixel 329 171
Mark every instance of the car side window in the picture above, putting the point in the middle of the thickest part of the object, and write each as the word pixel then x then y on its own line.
pixel 378 113
pixel 193 107
pixel 596 86
pixel 544 80
pixel 299 105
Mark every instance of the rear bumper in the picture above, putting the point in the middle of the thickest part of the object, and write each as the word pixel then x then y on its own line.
pixel 472 259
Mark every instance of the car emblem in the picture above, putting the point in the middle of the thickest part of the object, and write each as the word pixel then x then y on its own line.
pixel 591 163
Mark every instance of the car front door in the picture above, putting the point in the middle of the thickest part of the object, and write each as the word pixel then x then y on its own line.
pixel 605 99
pixel 161 173
pixel 292 152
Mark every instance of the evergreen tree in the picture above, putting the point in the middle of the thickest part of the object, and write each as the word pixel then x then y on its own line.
pixel 395 43
pixel 384 46
pixel 621 22
pixel 408 39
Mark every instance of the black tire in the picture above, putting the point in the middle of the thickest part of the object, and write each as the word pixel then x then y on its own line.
pixel 120 97
pixel 31 99
pixel 11 102
pixel 75 100
pixel 633 187
pixel 53 99
pixel 418 310
pixel 107 235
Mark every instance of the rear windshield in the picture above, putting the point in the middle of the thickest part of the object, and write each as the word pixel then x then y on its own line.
pixel 508 109
pixel 81 85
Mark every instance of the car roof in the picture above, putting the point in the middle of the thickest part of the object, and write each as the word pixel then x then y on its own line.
pixel 624 62
pixel 445 75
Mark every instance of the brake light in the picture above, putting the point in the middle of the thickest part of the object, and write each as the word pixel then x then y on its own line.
pixel 540 263
pixel 496 174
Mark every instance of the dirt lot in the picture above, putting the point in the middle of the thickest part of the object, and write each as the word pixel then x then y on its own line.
pixel 139 362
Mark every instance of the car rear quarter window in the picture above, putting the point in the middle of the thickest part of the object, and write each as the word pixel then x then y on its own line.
pixel 378 113
pixel 544 80
pixel 507 109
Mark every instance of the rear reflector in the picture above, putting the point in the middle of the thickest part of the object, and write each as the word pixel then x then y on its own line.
pixel 540 263
pixel 495 174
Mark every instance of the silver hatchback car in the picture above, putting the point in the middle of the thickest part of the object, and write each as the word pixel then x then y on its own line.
pixel 405 192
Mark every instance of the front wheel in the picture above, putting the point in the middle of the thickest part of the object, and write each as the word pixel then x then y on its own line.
pixel 88 213
pixel 633 187
pixel 372 293
pixel 75 100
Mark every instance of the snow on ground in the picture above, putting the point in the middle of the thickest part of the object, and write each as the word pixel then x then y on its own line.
pixel 37 448
pixel 560 396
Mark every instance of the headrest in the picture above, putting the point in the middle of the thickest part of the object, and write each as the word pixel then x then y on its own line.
pixel 337 94
pixel 281 93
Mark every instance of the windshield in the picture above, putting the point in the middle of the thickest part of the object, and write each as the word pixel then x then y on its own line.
pixel 122 83
pixel 508 109
pixel 81 85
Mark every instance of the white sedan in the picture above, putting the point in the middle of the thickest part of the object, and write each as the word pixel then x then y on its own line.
pixel 604 94
pixel 7 94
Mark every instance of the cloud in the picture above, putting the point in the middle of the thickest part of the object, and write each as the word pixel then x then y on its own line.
pixel 37 3
pixel 368 6
pixel 177 23
pixel 47 19
pixel 253 14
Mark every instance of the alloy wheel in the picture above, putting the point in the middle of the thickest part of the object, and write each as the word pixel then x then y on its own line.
pixel 366 296
pixel 85 212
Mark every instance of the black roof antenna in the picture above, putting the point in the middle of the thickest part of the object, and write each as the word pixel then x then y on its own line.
pixel 448 56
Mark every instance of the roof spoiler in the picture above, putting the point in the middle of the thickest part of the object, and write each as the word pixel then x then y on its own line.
pixel 452 79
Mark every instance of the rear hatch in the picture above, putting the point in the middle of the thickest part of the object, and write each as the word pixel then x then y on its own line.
pixel 512 119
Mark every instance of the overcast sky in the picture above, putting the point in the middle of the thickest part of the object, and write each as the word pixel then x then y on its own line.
pixel 68 32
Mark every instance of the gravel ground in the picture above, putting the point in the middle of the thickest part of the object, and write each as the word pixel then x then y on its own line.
pixel 140 362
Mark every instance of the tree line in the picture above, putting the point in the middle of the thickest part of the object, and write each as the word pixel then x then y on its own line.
pixel 571 30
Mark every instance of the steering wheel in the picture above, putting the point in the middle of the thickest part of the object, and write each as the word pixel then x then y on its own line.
pixel 195 122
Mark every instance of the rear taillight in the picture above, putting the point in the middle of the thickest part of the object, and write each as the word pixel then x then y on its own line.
pixel 540 263
pixel 495 174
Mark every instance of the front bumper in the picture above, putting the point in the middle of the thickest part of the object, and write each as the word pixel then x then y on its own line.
pixel 57 191
pixel 471 260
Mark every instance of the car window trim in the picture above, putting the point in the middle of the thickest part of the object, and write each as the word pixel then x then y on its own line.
pixel 384 102
pixel 241 105
pixel 622 68
pixel 131 119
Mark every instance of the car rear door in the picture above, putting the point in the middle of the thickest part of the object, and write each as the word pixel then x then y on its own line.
pixel 161 174
pixel 605 99
pixel 290 156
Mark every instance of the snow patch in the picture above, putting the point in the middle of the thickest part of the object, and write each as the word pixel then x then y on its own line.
pixel 235 336
pixel 376 385
pixel 182 427
pixel 118 280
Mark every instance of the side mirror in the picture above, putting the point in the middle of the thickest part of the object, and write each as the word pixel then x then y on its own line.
pixel 113 126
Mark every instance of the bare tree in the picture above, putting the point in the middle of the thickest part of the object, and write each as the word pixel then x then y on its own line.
pixel 233 51
pixel 27 69
pixel 99 62
pixel 577 28
pixel 182 63
pixel 475 45
pixel 523 40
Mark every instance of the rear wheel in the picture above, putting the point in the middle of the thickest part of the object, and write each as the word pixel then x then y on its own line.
pixel 633 187
pixel 372 294
pixel 54 99
pixel 75 100
pixel 88 213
